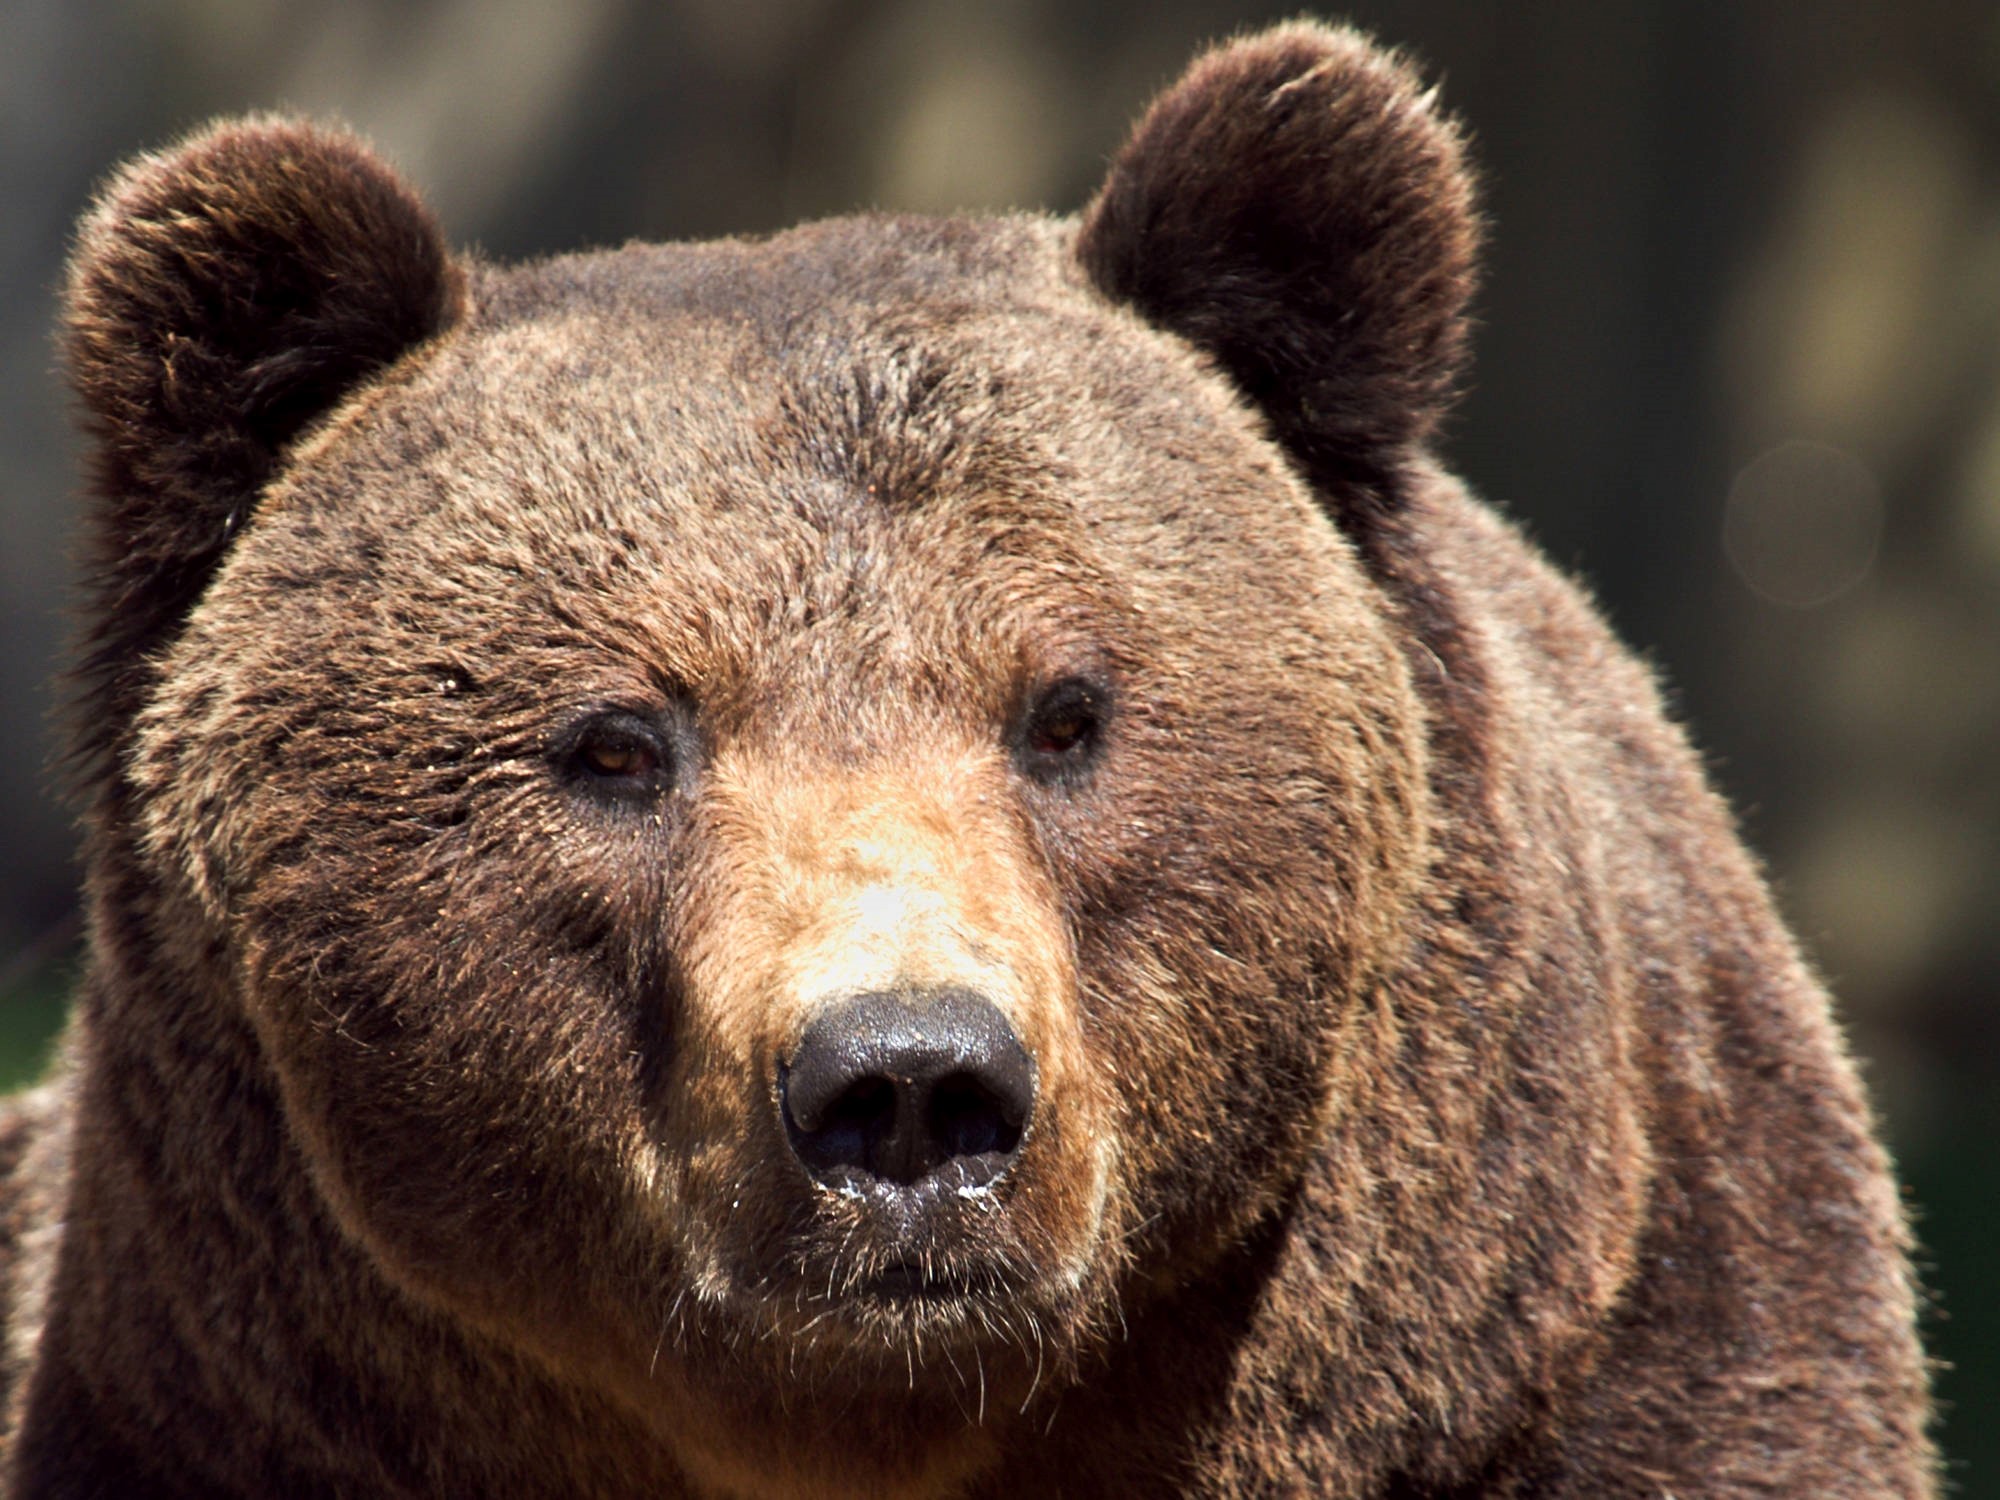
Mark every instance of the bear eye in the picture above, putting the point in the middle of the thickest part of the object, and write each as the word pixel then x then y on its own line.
pixel 1063 729
pixel 619 755
pixel 617 758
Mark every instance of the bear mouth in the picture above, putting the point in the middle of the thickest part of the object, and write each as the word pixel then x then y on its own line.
pixel 899 1274
pixel 914 1281
pixel 864 1282
pixel 947 1275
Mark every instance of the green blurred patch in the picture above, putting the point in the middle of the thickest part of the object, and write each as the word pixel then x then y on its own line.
pixel 1955 1182
pixel 33 1002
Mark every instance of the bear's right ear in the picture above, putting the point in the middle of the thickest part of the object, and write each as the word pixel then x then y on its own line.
pixel 222 297
pixel 1296 207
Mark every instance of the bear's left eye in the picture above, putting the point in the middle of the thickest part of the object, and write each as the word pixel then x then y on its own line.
pixel 618 754
pixel 1063 728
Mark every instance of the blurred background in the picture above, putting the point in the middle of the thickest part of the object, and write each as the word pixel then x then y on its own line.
pixel 1740 368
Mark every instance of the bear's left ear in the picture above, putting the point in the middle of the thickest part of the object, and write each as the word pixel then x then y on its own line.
pixel 223 297
pixel 1296 207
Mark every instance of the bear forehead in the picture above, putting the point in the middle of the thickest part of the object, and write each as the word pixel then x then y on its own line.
pixel 841 418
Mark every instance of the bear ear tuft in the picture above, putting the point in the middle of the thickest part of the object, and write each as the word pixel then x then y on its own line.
pixel 1297 207
pixel 222 297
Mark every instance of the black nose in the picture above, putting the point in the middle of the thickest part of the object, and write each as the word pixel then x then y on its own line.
pixel 894 1087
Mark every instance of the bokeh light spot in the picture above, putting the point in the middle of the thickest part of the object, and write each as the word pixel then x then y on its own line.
pixel 1803 523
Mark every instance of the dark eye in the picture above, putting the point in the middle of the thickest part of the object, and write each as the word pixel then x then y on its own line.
pixel 1063 729
pixel 618 758
pixel 618 754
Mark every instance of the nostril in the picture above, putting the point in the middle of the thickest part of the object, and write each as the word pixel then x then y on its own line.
pixel 969 1119
pixel 893 1087
pixel 870 1102
pixel 850 1130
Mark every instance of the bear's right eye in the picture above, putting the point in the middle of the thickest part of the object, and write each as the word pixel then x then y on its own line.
pixel 618 755
pixel 617 758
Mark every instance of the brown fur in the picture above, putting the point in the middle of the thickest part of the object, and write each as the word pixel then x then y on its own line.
pixel 1430 1103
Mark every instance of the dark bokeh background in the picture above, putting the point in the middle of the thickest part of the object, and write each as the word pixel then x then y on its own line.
pixel 1740 367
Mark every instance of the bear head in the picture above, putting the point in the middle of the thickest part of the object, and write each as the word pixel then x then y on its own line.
pixel 790 826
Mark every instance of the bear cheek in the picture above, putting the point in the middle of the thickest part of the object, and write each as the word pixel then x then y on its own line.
pixel 1228 951
pixel 464 1073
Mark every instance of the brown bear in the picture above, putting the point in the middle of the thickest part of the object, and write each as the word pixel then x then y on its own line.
pixel 917 858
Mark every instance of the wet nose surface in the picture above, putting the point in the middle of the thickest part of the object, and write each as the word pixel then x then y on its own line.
pixel 897 1087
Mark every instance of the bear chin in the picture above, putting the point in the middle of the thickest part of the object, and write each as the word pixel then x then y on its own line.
pixel 883 1284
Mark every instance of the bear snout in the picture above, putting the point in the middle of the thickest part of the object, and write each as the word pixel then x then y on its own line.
pixel 908 1093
